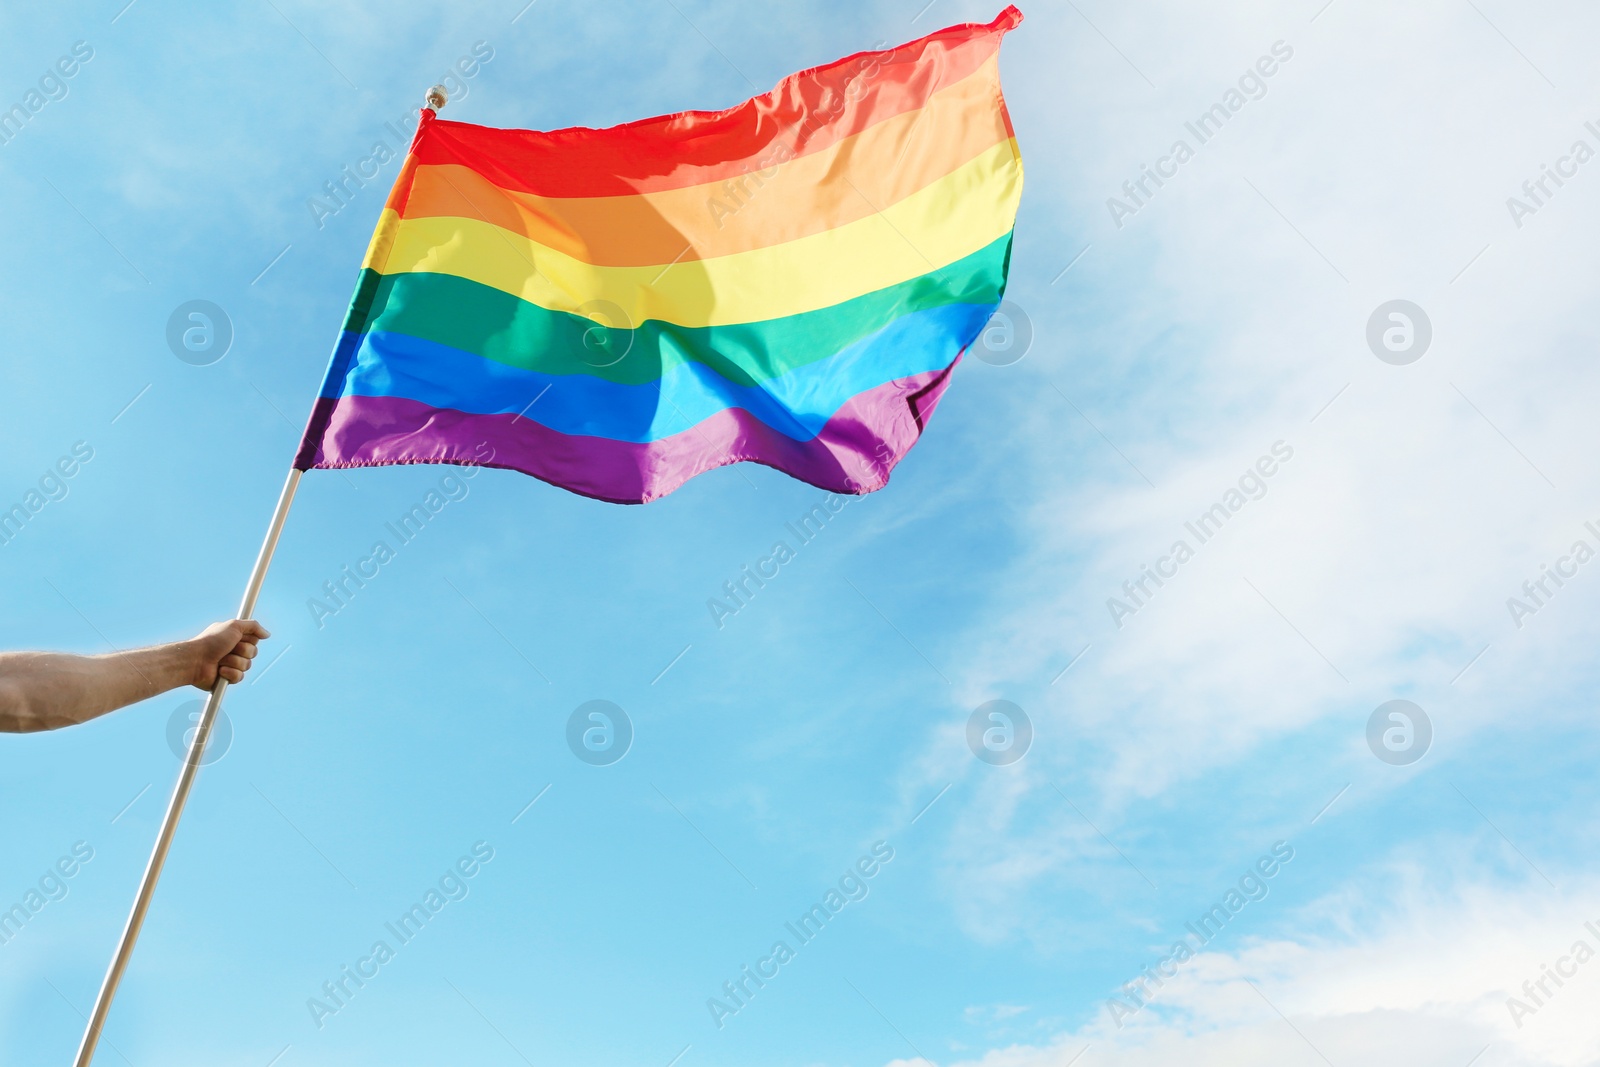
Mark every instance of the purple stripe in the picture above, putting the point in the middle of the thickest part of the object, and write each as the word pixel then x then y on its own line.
pixel 853 453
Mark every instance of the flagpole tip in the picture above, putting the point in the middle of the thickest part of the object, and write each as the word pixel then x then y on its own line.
pixel 437 97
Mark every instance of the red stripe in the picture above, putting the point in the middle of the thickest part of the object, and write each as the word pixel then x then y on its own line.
pixel 807 112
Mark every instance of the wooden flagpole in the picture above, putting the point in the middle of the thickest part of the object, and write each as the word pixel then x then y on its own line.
pixel 180 792
pixel 436 99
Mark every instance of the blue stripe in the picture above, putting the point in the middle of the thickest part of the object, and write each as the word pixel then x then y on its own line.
pixel 797 403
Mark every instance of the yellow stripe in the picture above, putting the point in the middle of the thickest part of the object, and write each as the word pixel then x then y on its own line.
pixel 970 207
pixel 388 227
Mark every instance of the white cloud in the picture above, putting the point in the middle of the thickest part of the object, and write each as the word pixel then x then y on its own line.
pixel 1417 502
pixel 1427 987
pixel 1220 319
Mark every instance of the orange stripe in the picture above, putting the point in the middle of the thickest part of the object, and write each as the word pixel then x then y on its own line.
pixel 796 198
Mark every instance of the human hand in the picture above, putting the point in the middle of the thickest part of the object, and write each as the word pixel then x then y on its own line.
pixel 226 649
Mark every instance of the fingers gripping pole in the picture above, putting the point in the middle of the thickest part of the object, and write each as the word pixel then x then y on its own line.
pixel 180 793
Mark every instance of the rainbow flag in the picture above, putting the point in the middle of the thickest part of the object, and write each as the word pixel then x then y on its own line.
pixel 788 282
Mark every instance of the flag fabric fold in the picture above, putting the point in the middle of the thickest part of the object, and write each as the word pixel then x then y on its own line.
pixel 788 282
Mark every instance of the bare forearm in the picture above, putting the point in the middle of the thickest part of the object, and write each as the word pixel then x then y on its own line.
pixel 46 690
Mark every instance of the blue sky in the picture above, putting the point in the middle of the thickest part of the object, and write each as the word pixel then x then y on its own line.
pixel 1172 348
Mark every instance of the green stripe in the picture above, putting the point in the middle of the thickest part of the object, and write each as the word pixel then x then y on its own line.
pixel 465 315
